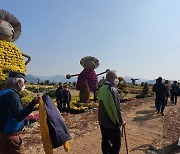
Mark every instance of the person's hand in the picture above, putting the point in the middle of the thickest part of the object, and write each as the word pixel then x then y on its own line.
pixel 123 123
pixel 36 99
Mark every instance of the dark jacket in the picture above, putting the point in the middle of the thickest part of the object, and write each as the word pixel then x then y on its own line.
pixel 109 111
pixel 59 94
pixel 57 129
pixel 161 91
pixel 66 96
pixel 174 88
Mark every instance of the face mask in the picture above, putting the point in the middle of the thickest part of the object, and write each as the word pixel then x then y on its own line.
pixel 23 88
pixel 116 81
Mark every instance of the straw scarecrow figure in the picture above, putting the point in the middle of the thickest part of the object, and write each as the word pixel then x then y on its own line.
pixel 87 79
pixel 11 58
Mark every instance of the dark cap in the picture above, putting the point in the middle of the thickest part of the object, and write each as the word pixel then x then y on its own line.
pixel 159 78
pixel 17 75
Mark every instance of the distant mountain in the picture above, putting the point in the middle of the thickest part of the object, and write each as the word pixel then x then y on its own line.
pixel 31 78
pixel 152 81
pixel 58 78
pixel 43 78
pixel 55 78
pixel 62 78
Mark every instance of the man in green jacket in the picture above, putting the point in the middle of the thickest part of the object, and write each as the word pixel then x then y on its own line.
pixel 109 115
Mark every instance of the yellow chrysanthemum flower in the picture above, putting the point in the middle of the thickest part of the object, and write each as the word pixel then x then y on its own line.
pixel 11 59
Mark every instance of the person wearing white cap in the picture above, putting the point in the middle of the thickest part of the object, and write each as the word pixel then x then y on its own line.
pixel 12 114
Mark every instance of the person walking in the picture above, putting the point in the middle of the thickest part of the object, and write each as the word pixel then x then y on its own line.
pixel 109 115
pixel 12 114
pixel 155 102
pixel 66 99
pixel 174 91
pixel 168 87
pixel 59 97
pixel 161 94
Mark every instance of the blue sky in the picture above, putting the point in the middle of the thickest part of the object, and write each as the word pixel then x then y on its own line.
pixel 138 38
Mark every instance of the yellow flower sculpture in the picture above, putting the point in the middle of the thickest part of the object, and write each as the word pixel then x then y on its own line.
pixel 11 58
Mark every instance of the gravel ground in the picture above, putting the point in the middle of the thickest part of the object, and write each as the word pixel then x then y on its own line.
pixel 80 124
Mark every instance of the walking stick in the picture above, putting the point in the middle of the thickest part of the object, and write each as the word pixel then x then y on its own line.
pixel 124 131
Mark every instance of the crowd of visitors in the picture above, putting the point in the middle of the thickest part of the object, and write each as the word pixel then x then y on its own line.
pixel 109 112
pixel 163 91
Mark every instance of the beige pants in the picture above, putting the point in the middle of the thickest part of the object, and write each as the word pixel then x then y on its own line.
pixel 11 145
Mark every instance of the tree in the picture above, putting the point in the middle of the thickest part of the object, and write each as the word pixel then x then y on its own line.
pixel 46 82
pixel 84 93
pixel 142 84
pixel 38 81
pixel 145 89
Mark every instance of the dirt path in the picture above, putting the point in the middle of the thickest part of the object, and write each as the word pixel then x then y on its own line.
pixel 144 131
pixel 144 127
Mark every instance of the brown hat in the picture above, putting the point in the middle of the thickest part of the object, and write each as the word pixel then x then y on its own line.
pixel 10 27
pixel 89 62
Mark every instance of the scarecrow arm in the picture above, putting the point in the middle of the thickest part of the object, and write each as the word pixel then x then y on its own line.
pixel 103 72
pixel 28 58
pixel 68 76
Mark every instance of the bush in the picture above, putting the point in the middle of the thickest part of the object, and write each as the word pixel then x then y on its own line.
pixel 26 97
pixel 77 110
pixel 84 93
pixel 26 100
pixel 24 93
pixel 146 89
pixel 141 96
pixel 51 93
pixel 33 89
pixel 134 90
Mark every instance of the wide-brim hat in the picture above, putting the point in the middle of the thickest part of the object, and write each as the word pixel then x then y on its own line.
pixel 13 21
pixel 89 62
pixel 17 74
